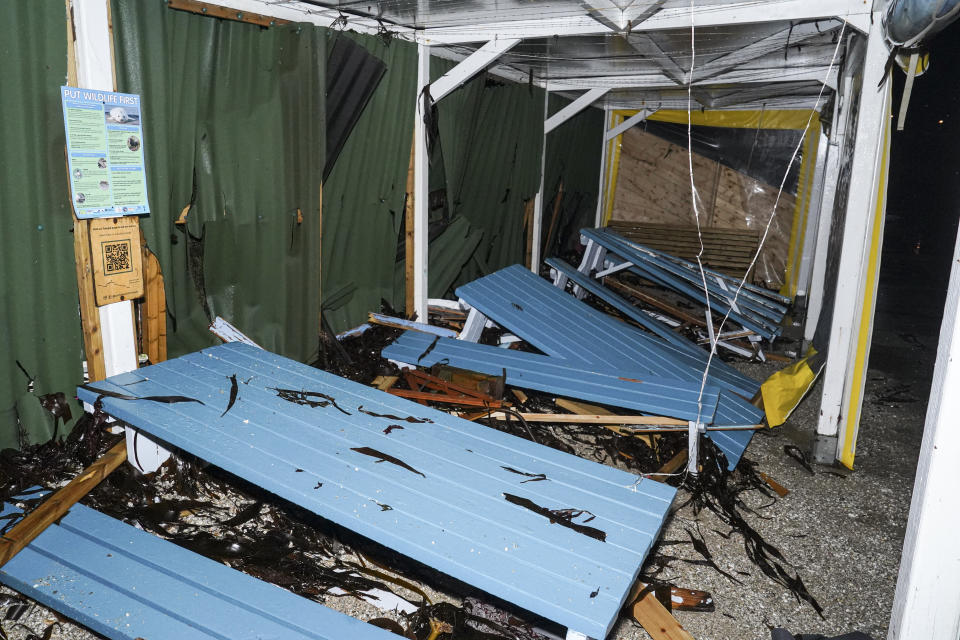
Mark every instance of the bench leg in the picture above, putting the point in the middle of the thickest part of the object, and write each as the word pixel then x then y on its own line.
pixel 143 453
pixel 576 635
pixel 473 326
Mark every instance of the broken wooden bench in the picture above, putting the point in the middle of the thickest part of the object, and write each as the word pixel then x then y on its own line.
pixel 125 584
pixel 588 343
pixel 552 533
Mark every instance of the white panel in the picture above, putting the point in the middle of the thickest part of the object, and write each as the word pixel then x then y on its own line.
pixel 861 206
pixel 421 190
pixel 927 600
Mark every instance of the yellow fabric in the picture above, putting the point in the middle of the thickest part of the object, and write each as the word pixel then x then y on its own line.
pixel 617 143
pixel 865 331
pixel 783 391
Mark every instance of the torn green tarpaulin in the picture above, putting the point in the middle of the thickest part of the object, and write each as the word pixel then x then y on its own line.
pixel 448 253
pixel 235 113
pixel 39 326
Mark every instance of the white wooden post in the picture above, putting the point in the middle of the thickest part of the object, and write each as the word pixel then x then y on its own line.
pixel 835 151
pixel 536 229
pixel 95 71
pixel 604 160
pixel 927 600
pixel 421 188
pixel 840 377
pixel 809 247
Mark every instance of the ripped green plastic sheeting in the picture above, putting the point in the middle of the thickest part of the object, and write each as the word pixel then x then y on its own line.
pixel 448 253
pixel 238 111
pixel 573 156
pixel 38 291
pixel 364 196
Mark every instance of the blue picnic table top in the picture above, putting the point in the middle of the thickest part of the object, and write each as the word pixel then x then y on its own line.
pixel 464 499
pixel 127 584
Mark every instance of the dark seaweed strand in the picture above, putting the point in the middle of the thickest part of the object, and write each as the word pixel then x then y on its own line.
pixel 385 457
pixel 563 517
pixel 233 394
pixel 410 419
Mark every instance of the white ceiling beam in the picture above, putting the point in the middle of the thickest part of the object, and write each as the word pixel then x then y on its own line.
pixel 775 43
pixel 643 44
pixel 629 123
pixel 656 101
pixel 572 109
pixel 824 74
pixel 853 11
pixel 470 66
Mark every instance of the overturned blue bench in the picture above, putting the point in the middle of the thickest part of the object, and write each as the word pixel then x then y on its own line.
pixel 124 583
pixel 552 533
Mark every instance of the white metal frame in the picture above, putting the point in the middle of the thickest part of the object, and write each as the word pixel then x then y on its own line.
pixel 927 600
pixel 95 71
pixel 421 188
pixel 852 275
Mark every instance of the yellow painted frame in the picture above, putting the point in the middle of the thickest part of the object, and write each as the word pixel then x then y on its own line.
pixel 745 119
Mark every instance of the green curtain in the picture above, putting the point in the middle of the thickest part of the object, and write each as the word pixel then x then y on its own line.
pixel 573 156
pixel 492 136
pixel 364 194
pixel 234 125
pixel 39 326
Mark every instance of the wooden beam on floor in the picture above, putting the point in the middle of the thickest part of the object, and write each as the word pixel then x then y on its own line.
pixel 656 620
pixel 57 504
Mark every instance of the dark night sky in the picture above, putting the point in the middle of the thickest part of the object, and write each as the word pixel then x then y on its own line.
pixel 924 190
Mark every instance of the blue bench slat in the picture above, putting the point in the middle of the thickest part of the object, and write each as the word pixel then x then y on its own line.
pixel 720 372
pixel 562 326
pixel 454 520
pixel 762 308
pixel 649 267
pixel 556 323
pixel 124 583
pixel 596 383
pixel 526 370
pixel 618 302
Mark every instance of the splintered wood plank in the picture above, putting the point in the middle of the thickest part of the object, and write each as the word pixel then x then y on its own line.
pixel 153 316
pixel 482 506
pixel 55 506
pixel 225 13
pixel 656 620
pixel 408 236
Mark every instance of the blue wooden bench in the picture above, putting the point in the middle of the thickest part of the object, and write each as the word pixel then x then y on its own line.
pixel 125 584
pixel 559 325
pixel 454 495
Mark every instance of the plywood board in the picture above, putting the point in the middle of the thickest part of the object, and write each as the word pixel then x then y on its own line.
pixel 117 260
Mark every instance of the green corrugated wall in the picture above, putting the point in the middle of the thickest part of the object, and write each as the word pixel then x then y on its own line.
pixel 364 195
pixel 39 325
pixel 233 121
pixel 233 118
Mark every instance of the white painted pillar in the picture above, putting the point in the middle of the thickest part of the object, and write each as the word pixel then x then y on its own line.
pixel 537 226
pixel 846 364
pixel 421 188
pixel 604 160
pixel 95 71
pixel 809 246
pixel 927 600
pixel 835 151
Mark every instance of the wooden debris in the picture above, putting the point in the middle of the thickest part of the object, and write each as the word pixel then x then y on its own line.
pixel 57 504
pixel 225 13
pixel 585 407
pixel 776 486
pixel 384 382
pixel 653 616
pixel 654 301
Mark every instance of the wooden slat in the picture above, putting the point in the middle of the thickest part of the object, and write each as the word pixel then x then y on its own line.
pixel 89 316
pixel 217 11
pixel 408 237
pixel 153 310
pixel 584 407
pixel 55 506
pixel 438 495
pixel 653 301
pixel 656 620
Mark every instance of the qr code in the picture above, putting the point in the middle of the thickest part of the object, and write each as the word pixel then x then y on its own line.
pixel 116 257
